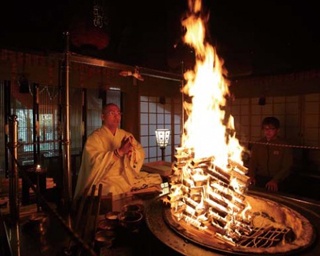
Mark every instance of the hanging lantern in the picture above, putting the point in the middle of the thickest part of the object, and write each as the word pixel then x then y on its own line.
pixel 83 34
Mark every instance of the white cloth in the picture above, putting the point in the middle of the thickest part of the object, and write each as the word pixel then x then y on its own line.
pixel 117 175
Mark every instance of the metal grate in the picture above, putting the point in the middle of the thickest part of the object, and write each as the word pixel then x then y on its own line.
pixel 265 237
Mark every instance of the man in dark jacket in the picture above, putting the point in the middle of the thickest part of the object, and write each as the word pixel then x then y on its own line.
pixel 271 159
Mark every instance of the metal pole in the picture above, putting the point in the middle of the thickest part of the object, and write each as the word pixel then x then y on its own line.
pixel 13 174
pixel 162 153
pixel 7 112
pixel 66 140
pixel 36 132
pixel 14 178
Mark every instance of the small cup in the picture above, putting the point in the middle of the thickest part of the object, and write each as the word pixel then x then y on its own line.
pixel 130 219
pixel 132 207
pixel 112 216
pixel 106 225
pixel 104 239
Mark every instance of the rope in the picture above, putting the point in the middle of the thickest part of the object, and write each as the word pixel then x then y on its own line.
pixel 280 145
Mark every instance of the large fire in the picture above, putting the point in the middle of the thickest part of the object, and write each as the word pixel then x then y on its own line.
pixel 206 86
pixel 209 182
pixel 209 176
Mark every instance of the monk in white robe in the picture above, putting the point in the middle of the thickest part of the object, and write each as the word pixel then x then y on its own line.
pixel 113 157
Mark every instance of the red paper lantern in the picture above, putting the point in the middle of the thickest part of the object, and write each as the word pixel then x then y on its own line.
pixel 83 34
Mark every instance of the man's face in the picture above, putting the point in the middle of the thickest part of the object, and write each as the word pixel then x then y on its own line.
pixel 111 116
pixel 270 132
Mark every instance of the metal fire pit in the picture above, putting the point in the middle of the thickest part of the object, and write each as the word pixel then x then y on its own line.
pixel 174 236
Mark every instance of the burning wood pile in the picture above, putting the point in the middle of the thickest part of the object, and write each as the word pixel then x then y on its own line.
pixel 213 202
pixel 208 196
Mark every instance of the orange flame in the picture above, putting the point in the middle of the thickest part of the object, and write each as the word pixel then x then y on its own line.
pixel 210 176
pixel 207 129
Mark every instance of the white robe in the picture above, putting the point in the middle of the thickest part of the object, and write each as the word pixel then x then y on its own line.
pixel 117 175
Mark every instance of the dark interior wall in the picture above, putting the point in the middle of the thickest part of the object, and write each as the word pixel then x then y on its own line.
pixel 277 85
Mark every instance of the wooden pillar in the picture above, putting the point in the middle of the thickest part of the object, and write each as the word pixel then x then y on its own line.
pixel 131 109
